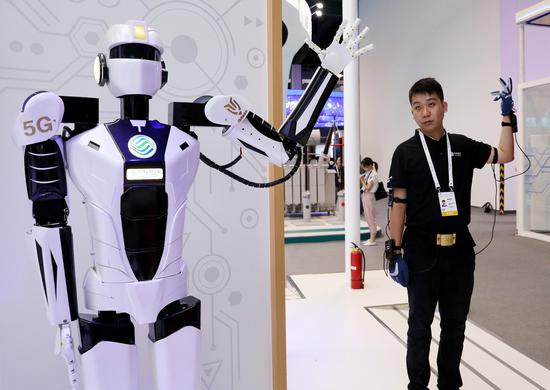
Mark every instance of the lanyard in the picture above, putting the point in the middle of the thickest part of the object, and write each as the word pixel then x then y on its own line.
pixel 431 165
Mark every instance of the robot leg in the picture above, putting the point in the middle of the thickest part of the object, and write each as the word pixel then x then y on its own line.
pixel 109 353
pixel 176 344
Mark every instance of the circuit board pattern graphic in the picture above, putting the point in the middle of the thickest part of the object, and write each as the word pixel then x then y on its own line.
pixel 211 47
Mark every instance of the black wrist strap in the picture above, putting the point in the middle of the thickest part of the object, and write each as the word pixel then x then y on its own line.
pixel 513 123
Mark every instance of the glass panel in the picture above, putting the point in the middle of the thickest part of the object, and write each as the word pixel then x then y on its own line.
pixel 536 107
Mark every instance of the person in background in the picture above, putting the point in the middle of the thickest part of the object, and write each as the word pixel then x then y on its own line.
pixel 369 184
pixel 339 174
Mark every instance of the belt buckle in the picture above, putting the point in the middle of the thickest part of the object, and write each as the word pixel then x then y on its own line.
pixel 446 239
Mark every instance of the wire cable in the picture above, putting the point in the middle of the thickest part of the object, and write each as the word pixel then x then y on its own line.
pixel 249 183
pixel 494 212
pixel 526 156
pixel 496 191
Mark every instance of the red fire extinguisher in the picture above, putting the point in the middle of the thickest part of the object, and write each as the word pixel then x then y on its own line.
pixel 357 267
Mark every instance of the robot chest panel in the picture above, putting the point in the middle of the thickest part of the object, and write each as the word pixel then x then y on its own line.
pixel 112 158
pixel 135 176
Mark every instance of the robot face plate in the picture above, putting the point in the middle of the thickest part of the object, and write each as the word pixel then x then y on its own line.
pixel 135 50
pixel 131 76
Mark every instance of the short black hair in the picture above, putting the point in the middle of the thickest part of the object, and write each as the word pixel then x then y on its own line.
pixel 427 85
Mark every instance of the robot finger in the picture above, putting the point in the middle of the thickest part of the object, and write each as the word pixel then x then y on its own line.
pixel 355 42
pixel 314 47
pixel 340 31
pixel 363 50
pixel 362 34
pixel 355 25
pixel 350 31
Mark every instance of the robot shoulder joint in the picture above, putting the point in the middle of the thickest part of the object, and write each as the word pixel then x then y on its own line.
pixel 39 120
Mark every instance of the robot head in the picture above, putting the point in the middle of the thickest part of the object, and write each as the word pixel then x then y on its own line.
pixel 134 66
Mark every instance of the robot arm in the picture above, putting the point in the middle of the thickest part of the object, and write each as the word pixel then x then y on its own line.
pixel 247 129
pixel 38 130
pixel 255 134
pixel 334 59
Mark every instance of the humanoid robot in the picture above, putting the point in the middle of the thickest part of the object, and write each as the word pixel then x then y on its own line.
pixel 134 174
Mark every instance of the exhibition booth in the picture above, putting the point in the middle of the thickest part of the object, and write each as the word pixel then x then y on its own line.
pixel 261 327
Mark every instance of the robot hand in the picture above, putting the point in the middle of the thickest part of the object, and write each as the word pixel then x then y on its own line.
pixel 505 97
pixel 64 347
pixel 335 57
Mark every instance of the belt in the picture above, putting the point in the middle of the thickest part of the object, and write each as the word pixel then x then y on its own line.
pixel 446 239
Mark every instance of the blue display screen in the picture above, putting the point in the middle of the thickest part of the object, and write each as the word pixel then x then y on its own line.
pixel 333 111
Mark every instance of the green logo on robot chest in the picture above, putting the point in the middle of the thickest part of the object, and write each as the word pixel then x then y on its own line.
pixel 142 146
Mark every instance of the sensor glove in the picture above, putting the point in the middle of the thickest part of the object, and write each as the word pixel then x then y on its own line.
pixel 505 97
pixel 398 270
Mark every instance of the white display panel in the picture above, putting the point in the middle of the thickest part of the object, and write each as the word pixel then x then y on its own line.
pixel 211 47
pixel 534 219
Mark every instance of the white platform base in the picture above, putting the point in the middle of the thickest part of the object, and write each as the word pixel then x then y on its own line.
pixel 338 338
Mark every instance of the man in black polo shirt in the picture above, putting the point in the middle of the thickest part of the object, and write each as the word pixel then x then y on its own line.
pixel 431 177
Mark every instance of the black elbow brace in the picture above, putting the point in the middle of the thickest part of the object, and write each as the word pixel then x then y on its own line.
pixel 495 156
pixel 399 200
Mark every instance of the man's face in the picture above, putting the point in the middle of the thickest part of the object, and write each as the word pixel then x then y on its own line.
pixel 428 112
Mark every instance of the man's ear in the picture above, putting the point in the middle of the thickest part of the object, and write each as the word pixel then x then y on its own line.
pixel 445 106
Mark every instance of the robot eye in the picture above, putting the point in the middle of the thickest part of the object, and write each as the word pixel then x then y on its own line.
pixel 135 50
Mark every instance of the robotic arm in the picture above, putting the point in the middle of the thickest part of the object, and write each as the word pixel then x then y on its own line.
pixel 38 130
pixel 247 129
pixel 279 145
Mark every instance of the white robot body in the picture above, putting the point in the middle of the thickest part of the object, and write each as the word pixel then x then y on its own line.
pixel 169 373
pixel 134 175
pixel 97 168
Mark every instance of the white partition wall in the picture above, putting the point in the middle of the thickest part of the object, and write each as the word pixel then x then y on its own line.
pixel 455 41
pixel 534 130
pixel 212 47
pixel 534 190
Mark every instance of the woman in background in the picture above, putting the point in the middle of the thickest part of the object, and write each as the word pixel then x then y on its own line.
pixel 369 184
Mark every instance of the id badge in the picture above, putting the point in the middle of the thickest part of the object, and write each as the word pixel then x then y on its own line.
pixel 447 204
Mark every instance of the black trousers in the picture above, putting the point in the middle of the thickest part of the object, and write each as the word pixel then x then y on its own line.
pixel 449 280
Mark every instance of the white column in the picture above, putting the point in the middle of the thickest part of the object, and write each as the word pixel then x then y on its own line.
pixel 351 142
pixel 521 53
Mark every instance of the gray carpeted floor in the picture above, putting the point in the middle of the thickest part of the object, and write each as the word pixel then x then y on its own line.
pixel 512 291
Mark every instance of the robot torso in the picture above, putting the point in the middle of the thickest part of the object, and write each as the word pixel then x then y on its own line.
pixel 134 176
